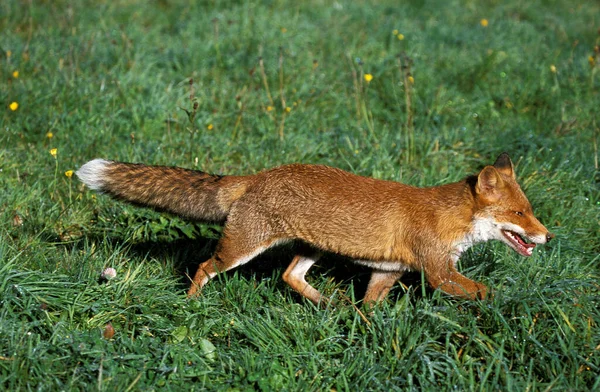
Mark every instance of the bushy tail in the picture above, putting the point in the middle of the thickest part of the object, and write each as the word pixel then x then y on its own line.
pixel 188 193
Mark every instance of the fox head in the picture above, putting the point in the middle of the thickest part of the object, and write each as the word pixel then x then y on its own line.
pixel 503 212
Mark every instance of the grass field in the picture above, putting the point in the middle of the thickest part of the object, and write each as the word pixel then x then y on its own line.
pixel 423 92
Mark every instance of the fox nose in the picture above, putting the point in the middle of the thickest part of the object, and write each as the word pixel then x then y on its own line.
pixel 549 236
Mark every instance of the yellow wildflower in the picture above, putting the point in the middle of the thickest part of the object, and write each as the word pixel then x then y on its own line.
pixel 15 74
pixel 400 36
pixel 411 80
pixel 53 152
pixel 209 127
pixel 8 53
pixel 368 78
pixel 69 173
pixel 269 108
pixel 49 135
pixel 288 109
pixel 395 32
pixel 14 106
pixel 484 22
pixel 553 68
pixel 283 30
pixel 592 61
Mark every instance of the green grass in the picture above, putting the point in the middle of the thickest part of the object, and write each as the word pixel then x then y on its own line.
pixel 111 79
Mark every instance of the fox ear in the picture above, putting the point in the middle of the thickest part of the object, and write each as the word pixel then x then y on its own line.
pixel 489 183
pixel 504 165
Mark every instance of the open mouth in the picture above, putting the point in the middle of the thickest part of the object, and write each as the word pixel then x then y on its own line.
pixel 518 243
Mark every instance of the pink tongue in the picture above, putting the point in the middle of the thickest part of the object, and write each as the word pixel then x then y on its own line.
pixel 527 249
pixel 521 242
pixel 525 245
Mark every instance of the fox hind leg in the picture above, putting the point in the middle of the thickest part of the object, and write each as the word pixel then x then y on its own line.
pixel 207 271
pixel 295 274
pixel 231 252
pixel 380 285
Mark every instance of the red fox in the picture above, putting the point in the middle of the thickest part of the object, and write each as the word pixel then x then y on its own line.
pixel 385 225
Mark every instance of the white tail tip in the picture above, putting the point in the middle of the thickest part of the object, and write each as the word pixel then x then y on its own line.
pixel 92 173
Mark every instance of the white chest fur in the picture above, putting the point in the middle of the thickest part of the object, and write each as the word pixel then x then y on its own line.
pixel 483 229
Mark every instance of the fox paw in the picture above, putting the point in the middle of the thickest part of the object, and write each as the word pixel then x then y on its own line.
pixel 482 292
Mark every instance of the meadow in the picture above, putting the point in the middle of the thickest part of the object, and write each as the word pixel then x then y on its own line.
pixel 422 92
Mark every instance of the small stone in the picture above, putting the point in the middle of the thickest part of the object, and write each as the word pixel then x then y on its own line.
pixel 109 274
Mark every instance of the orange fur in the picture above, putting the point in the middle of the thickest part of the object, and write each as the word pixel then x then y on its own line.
pixel 386 225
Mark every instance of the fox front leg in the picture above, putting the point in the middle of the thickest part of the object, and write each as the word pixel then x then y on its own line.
pixel 450 281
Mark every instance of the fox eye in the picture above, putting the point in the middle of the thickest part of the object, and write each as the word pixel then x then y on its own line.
pixel 519 213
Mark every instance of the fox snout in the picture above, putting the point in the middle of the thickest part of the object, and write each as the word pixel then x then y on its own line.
pixel 524 239
pixel 542 238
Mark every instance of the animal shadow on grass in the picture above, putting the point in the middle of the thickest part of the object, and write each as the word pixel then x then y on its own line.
pixel 187 254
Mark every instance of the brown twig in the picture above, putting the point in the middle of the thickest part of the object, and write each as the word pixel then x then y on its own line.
pixel 264 79
pixel 360 313
pixel 283 105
